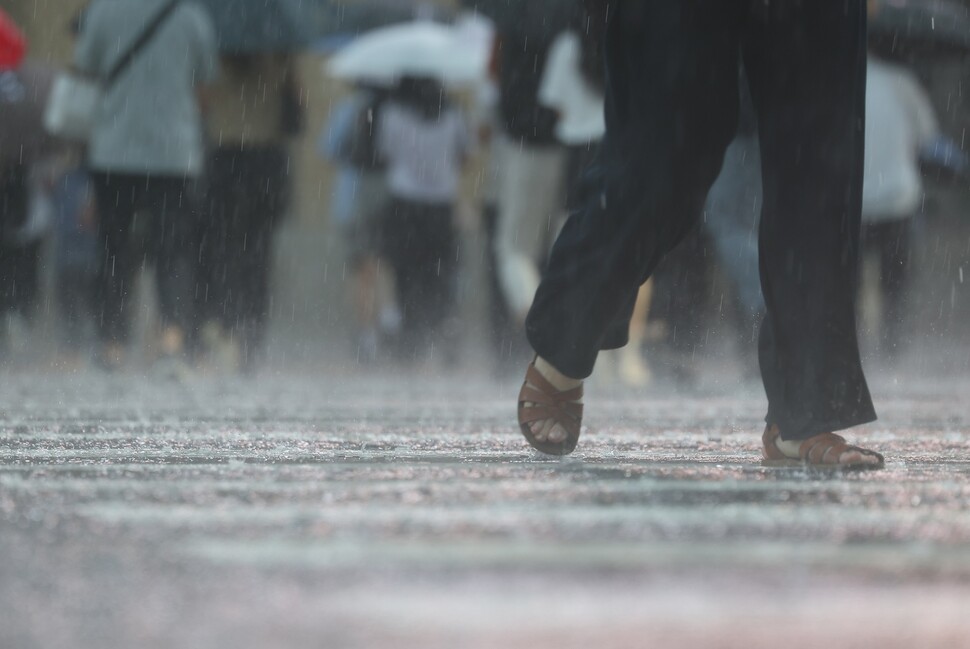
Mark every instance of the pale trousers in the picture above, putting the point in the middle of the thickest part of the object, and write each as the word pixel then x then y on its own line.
pixel 530 184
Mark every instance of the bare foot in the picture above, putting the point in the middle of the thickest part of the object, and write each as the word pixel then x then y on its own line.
pixel 548 430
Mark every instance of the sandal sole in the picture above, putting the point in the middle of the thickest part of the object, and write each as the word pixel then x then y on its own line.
pixel 793 464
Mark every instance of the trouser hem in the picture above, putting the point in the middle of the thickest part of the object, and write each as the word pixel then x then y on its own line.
pixel 794 433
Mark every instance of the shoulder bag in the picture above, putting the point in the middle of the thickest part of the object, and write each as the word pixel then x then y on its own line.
pixel 76 97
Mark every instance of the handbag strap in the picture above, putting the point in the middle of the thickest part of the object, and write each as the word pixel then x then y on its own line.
pixel 139 43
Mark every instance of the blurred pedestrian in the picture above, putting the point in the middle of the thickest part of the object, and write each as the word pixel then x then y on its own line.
pixel 75 255
pixel 25 214
pixel 424 141
pixel 572 85
pixel 349 140
pixel 146 155
pixel 506 336
pixel 671 111
pixel 530 160
pixel 731 220
pixel 252 109
pixel 900 126
pixel 901 132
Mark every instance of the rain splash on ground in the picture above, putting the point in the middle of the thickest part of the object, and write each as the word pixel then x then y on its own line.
pixel 356 510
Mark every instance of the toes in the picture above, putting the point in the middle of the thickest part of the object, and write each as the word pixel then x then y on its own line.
pixel 548 430
pixel 547 427
pixel 557 434
pixel 540 429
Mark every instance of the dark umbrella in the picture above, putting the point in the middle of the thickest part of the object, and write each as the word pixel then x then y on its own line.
pixel 906 28
pixel 250 26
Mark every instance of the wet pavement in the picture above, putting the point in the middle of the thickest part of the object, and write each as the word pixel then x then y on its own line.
pixel 367 511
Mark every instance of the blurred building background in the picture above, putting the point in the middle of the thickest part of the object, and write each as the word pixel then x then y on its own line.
pixel 309 304
pixel 309 297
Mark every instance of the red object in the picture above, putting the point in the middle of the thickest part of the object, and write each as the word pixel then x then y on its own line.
pixel 13 44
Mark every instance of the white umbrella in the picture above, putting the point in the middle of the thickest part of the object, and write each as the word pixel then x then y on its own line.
pixel 421 48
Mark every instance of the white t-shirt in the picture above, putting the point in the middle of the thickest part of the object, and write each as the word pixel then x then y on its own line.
pixel 424 156
pixel 899 121
pixel 565 89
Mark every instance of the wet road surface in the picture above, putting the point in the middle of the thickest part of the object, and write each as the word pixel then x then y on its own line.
pixel 359 511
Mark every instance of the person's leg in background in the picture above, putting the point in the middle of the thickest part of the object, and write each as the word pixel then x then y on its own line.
pixel 117 197
pixel 806 65
pixel 74 296
pixel 207 341
pixel 422 249
pixel 506 337
pixel 403 248
pixel 529 208
pixel 437 275
pixel 891 240
pixel 250 249
pixel 175 215
pixel 681 306
pixel 731 219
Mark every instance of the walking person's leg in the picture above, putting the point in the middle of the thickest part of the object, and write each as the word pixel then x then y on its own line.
pixel 116 196
pixel 732 213
pixel 403 247
pixel 174 228
pixel 894 253
pixel 438 279
pixel 806 65
pixel 251 293
pixel 214 227
pixel 529 208
pixel 671 110
pixel 256 206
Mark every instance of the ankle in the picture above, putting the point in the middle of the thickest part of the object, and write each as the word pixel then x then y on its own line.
pixel 789 448
pixel 554 376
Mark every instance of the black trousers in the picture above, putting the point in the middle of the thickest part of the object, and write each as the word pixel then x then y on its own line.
pixel 420 243
pixel 19 270
pixel 671 111
pixel 144 219
pixel 247 196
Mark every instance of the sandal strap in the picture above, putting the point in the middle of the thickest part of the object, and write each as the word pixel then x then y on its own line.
pixel 769 440
pixel 549 403
pixel 531 415
pixel 530 394
pixel 574 410
pixel 534 377
pixel 815 450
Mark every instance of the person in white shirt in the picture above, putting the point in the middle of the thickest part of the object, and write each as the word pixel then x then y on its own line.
pixel 423 140
pixel 900 124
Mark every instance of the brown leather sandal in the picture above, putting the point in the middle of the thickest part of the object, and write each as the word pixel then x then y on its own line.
pixel 549 403
pixel 816 452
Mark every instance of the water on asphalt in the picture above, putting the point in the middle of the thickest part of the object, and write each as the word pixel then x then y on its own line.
pixel 353 510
